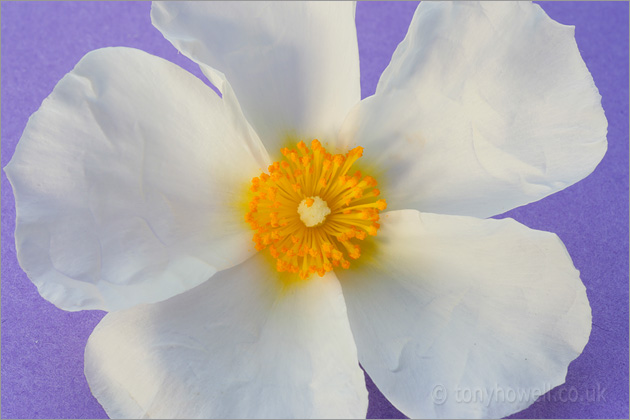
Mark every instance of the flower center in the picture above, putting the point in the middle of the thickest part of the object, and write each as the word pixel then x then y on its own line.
pixel 313 211
pixel 310 213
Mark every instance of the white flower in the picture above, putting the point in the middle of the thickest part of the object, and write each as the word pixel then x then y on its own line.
pixel 131 189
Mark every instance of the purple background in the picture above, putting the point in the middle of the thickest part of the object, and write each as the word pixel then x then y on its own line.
pixel 42 346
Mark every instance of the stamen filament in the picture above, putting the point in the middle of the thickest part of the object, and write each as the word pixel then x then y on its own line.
pixel 310 213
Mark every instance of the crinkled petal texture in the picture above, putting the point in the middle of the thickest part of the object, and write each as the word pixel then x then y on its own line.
pixel 126 183
pixel 484 107
pixel 294 66
pixel 241 345
pixel 459 317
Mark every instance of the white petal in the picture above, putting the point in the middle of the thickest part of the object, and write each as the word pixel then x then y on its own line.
pixel 127 182
pixel 244 344
pixel 293 65
pixel 483 108
pixel 454 306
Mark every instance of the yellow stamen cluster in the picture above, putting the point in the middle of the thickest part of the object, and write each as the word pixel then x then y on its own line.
pixel 346 210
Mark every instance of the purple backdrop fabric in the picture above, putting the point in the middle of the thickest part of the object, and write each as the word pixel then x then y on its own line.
pixel 42 346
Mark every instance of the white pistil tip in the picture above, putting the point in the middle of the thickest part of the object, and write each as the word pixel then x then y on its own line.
pixel 313 211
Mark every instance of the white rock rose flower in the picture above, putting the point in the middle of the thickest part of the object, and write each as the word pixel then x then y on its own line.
pixel 252 249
